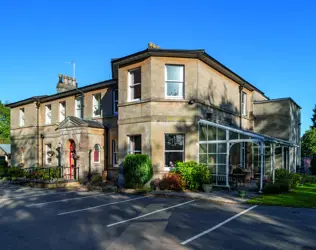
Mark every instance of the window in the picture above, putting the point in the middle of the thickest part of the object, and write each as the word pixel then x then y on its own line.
pixel 97 104
pixel 115 101
pixel 48 114
pixel 174 81
pixel 174 149
pixel 22 117
pixel 48 149
pixel 78 105
pixel 135 80
pixel 96 153
pixel 62 111
pixel 243 103
pixel 114 153
pixel 135 144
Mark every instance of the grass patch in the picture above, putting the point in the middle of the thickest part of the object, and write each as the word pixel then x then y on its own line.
pixel 302 196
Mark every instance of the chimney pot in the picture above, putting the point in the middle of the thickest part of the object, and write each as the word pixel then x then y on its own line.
pixel 66 80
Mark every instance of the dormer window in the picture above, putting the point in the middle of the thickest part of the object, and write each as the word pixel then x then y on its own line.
pixel 48 114
pixel 174 81
pixel 134 84
pixel 97 105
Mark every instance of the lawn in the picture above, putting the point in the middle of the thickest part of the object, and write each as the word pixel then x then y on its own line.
pixel 302 196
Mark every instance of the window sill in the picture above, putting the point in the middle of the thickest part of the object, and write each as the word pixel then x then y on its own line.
pixel 174 97
pixel 134 100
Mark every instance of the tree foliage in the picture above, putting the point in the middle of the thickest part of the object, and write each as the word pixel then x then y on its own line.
pixel 314 118
pixel 4 124
pixel 308 142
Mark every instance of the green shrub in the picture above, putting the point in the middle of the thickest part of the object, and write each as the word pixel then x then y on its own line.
pixel 276 188
pixel 137 170
pixel 16 172
pixel 194 174
pixel 313 166
pixel 293 179
pixel 96 179
pixel 172 181
pixel 3 171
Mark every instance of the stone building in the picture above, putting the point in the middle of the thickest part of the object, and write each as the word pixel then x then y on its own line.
pixel 159 102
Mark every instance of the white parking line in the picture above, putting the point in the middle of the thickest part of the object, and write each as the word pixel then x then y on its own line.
pixel 38 195
pixel 217 226
pixel 64 200
pixel 103 205
pixel 144 215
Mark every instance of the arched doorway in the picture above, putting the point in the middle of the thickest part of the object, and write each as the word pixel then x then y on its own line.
pixel 71 161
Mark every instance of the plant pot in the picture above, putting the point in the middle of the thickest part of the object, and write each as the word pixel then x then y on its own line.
pixel 242 193
pixel 104 175
pixel 207 188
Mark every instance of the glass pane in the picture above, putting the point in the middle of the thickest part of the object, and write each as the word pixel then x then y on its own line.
pixel 212 168
pixel 244 136
pixel 173 89
pixel 221 134
pixel 137 143
pixel 221 169
pixel 211 133
pixel 233 135
pixel 211 148
pixel 175 73
pixel 174 142
pixel 172 157
pixel 115 95
pixel 221 147
pixel 136 76
pixel 203 148
pixel 203 158
pixel 97 110
pixel 211 159
pixel 137 91
pixel 221 159
pixel 203 131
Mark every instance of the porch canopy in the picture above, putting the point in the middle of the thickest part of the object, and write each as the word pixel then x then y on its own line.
pixel 215 144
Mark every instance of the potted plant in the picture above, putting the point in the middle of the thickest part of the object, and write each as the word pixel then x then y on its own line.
pixel 207 186
pixel 242 194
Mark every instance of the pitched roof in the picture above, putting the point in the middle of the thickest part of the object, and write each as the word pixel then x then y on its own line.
pixel 72 121
pixel 6 148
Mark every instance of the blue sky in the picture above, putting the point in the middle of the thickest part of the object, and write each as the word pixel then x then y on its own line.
pixel 272 44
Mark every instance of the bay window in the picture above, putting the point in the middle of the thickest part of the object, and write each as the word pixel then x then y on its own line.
pixel 135 144
pixel 174 149
pixel 174 78
pixel 134 85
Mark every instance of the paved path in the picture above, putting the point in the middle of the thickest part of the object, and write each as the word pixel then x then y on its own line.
pixel 60 219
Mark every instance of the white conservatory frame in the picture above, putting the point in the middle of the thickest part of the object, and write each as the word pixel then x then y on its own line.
pixel 251 137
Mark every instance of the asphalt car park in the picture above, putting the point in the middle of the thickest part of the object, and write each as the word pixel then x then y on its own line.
pixel 62 219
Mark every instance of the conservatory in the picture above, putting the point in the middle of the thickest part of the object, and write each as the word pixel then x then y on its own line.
pixel 226 149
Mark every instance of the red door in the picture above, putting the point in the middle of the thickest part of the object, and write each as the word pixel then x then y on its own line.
pixel 71 160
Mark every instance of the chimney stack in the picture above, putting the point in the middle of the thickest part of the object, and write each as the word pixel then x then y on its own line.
pixel 65 83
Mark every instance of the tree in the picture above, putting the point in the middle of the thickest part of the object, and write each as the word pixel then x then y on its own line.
pixel 308 143
pixel 4 124
pixel 314 118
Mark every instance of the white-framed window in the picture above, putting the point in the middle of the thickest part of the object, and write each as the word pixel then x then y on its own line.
pixel 22 119
pixel 62 111
pixel 48 114
pixel 114 153
pixel 174 149
pixel 96 153
pixel 174 81
pixel 243 103
pixel 134 84
pixel 135 144
pixel 96 105
pixel 115 101
pixel 48 150
pixel 78 106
